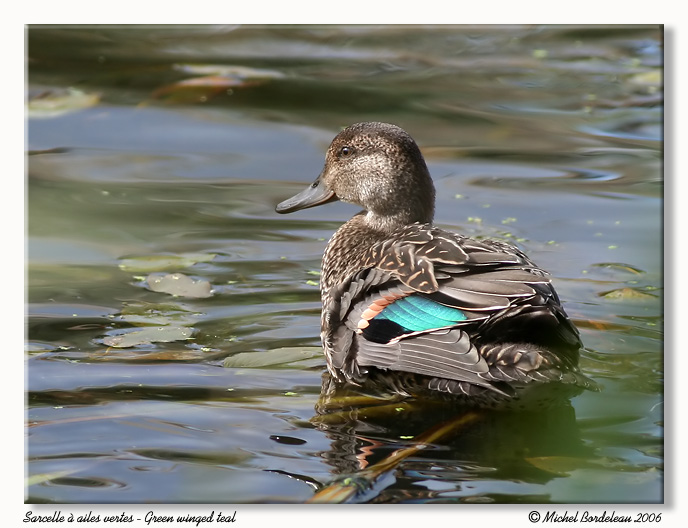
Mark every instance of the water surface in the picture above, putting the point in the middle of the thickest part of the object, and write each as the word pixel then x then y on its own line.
pixel 157 150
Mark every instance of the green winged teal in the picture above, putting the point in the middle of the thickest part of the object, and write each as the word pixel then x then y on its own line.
pixel 421 309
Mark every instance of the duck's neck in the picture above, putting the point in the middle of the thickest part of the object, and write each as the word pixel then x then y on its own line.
pixel 390 223
pixel 349 247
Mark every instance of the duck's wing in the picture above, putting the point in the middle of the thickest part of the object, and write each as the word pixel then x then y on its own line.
pixel 420 299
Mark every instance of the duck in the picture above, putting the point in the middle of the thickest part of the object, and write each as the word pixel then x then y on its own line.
pixel 420 310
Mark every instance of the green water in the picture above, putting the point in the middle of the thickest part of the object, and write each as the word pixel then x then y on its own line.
pixel 177 143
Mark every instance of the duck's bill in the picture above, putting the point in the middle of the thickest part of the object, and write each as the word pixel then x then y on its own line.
pixel 315 194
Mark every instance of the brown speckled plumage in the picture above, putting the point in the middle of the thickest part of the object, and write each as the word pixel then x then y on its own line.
pixel 420 310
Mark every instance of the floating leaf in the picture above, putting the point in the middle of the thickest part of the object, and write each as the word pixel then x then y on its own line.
pixel 146 336
pixel 650 78
pixel 619 266
pixel 627 294
pixel 180 285
pixel 46 477
pixel 214 80
pixel 56 102
pixel 37 347
pixel 563 465
pixel 200 88
pixel 157 314
pixel 147 355
pixel 238 72
pixel 271 358
pixel 559 465
pixel 150 263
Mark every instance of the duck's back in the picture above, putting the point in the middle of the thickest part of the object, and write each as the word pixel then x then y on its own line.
pixel 445 312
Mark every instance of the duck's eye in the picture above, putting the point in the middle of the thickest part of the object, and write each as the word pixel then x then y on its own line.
pixel 345 151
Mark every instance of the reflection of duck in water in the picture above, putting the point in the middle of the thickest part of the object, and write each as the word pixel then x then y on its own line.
pixel 414 309
pixel 468 462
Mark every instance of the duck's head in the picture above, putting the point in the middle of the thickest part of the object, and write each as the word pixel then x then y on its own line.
pixel 379 167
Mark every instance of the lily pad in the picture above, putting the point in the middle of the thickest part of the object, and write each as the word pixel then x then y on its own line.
pixel 180 285
pixel 559 465
pixel 564 465
pixel 39 478
pixel 147 354
pixel 614 266
pixel 157 314
pixel 150 263
pixel 56 102
pixel 271 358
pixel 146 336
pixel 627 294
